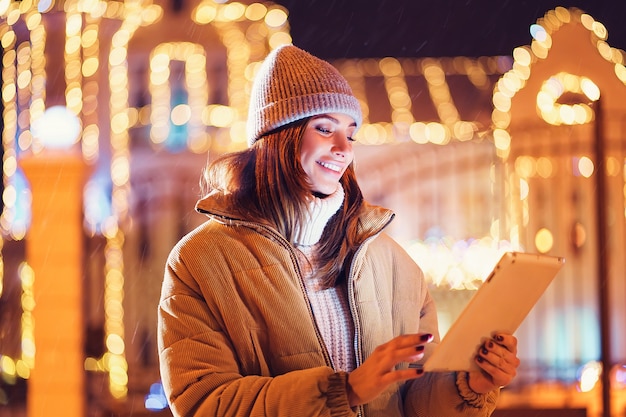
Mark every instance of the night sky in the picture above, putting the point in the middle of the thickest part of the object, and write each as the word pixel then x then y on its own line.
pixel 334 29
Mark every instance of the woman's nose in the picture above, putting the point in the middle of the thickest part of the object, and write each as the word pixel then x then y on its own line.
pixel 342 145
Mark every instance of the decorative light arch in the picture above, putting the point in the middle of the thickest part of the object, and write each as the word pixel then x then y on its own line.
pixel 196 87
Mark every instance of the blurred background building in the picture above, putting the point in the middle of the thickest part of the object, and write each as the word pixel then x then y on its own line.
pixel 111 109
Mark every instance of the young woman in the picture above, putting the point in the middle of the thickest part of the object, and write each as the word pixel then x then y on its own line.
pixel 291 300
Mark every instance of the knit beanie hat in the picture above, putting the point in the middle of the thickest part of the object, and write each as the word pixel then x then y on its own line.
pixel 291 85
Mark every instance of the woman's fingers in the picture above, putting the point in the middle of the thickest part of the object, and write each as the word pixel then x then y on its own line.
pixel 509 342
pixel 498 359
pixel 501 351
pixel 371 378
pixel 405 348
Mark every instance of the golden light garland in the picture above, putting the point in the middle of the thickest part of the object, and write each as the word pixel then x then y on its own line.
pixel 23 93
pixel 115 357
pixel 11 368
pixel 90 70
pixel 398 93
pixel 524 56
pixel 403 125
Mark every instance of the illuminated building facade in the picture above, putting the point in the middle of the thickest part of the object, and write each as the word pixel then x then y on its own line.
pixel 476 156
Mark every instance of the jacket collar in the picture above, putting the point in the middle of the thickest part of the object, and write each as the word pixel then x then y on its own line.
pixel 219 206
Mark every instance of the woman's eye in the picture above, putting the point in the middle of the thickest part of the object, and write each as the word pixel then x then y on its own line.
pixel 322 129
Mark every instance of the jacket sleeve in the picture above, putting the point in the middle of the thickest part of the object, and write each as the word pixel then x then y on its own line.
pixel 200 371
pixel 443 394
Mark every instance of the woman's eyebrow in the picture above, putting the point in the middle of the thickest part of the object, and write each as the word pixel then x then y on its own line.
pixel 331 118
pixel 325 116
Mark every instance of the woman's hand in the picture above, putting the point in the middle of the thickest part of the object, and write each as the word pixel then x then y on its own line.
pixel 378 371
pixel 498 362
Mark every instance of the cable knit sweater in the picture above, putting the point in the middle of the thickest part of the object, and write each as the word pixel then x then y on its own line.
pixel 330 305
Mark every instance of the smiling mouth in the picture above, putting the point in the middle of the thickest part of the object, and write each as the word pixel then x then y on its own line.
pixel 332 167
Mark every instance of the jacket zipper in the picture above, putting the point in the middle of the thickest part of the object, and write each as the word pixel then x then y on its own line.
pixel 358 349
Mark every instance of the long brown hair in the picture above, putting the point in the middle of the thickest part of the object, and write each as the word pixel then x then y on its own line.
pixel 269 185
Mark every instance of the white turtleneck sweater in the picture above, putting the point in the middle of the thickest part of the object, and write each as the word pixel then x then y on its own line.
pixel 330 305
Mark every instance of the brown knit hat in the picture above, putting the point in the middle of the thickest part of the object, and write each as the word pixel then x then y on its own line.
pixel 292 84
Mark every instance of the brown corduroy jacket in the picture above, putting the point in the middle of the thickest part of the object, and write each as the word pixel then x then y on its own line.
pixel 237 336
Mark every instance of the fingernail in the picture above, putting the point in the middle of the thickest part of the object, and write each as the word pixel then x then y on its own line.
pixel 490 344
pixel 479 359
pixel 419 348
pixel 499 338
pixel 426 337
pixel 485 351
pixel 419 371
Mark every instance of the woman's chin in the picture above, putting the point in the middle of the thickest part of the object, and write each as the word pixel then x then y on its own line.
pixel 323 192
pixel 319 194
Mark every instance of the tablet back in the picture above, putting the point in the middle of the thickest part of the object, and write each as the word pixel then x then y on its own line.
pixel 499 305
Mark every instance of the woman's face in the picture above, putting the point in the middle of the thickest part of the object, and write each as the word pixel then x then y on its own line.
pixel 326 150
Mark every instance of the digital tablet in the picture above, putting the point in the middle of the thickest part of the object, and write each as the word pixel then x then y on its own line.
pixel 499 305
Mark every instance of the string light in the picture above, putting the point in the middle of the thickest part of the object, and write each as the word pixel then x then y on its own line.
pixel 397 74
